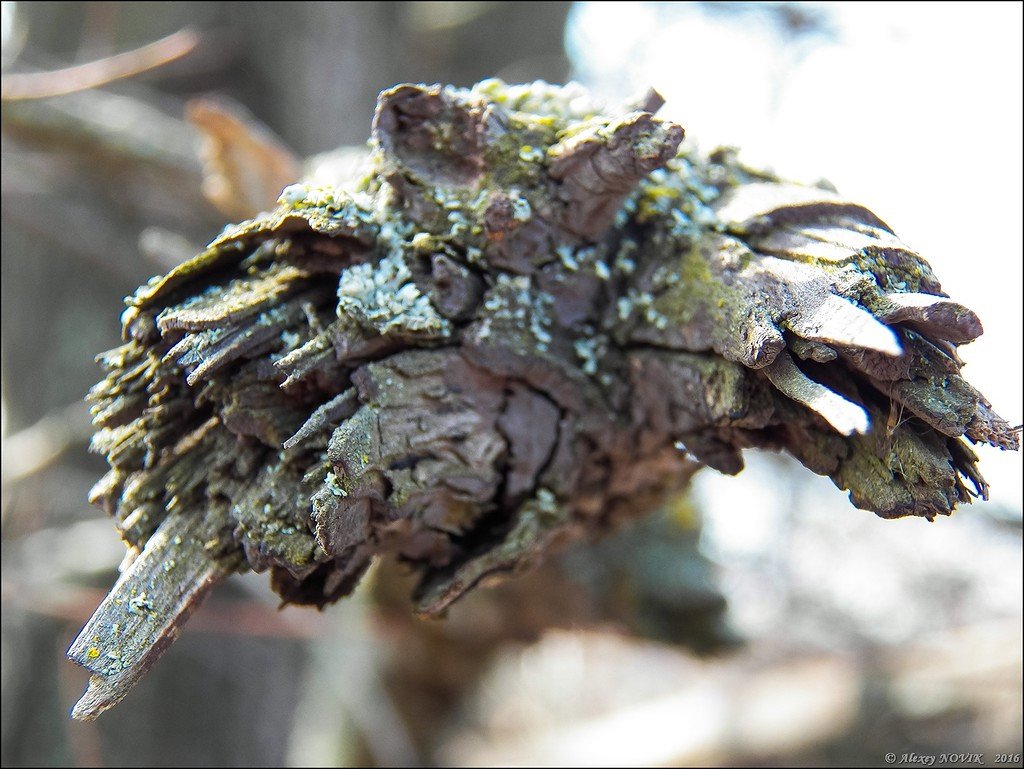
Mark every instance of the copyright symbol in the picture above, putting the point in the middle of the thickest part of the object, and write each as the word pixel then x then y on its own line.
pixel 890 758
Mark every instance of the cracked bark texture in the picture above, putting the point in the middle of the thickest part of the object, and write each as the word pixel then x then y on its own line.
pixel 535 317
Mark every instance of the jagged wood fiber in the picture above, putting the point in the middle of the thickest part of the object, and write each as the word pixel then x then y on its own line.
pixel 533 317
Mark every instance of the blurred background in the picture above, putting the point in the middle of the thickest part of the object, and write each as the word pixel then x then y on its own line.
pixel 761 620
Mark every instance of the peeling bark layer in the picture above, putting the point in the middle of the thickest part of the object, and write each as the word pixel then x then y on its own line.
pixel 536 317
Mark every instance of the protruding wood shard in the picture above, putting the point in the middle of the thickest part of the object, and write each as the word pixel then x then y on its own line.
pixel 838 321
pixel 599 167
pixel 845 416
pixel 647 101
pixel 409 119
pixel 531 532
pixel 752 207
pixel 140 617
pixel 336 409
pixel 937 316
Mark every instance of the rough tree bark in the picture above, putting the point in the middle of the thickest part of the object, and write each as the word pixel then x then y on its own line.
pixel 527 318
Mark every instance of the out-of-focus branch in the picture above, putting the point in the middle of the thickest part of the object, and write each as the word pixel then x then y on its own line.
pixel 39 445
pixel 106 128
pixel 81 77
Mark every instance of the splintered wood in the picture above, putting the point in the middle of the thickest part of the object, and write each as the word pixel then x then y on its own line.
pixel 142 614
pixel 526 316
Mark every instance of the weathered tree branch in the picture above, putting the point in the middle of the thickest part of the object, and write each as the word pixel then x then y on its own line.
pixel 535 318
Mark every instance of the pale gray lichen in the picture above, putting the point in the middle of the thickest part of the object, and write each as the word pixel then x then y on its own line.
pixel 384 297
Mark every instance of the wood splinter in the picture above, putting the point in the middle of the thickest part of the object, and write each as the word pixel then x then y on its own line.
pixel 141 616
